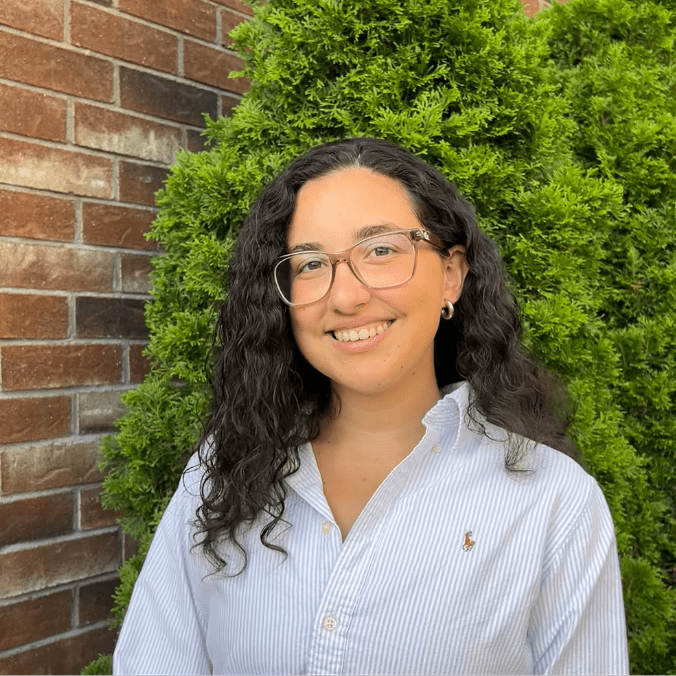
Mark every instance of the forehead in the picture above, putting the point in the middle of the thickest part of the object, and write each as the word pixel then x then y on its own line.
pixel 330 211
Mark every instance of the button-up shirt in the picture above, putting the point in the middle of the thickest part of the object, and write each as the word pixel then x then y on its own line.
pixel 455 566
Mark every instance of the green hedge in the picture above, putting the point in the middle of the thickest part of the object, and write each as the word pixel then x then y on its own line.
pixel 560 130
pixel 615 65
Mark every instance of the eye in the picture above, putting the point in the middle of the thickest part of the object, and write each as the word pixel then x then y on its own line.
pixel 385 247
pixel 380 250
pixel 308 265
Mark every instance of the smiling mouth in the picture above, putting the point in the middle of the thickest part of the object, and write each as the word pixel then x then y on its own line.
pixel 354 335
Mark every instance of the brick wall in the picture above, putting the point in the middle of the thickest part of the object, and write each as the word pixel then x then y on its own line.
pixel 96 96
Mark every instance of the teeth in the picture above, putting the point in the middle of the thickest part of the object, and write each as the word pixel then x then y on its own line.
pixel 353 335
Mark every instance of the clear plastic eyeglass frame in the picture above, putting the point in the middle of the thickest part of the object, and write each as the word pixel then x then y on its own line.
pixel 415 236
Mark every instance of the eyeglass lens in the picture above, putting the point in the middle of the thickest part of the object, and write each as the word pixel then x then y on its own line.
pixel 380 262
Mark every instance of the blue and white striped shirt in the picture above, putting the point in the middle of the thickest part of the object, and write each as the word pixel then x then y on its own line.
pixel 455 566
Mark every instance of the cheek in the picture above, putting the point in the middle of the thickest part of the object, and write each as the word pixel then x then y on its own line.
pixel 424 317
pixel 297 329
pixel 304 326
pixel 301 318
pixel 422 302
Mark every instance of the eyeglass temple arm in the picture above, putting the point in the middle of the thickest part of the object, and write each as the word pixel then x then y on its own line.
pixel 432 239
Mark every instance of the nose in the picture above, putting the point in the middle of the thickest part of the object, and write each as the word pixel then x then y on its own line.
pixel 347 291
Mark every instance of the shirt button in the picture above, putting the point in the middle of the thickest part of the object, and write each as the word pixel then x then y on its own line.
pixel 326 527
pixel 329 623
pixel 436 448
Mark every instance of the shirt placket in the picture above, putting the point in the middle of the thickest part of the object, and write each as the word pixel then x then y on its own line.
pixel 346 587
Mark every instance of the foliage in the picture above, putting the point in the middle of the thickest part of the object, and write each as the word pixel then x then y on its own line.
pixel 561 132
pixel 101 665
pixel 616 66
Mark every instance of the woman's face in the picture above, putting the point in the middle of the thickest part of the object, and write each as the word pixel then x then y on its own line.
pixel 330 212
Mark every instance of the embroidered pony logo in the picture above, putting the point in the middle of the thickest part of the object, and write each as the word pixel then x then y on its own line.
pixel 469 543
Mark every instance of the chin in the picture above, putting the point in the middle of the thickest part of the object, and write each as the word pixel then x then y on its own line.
pixel 369 383
pixel 359 388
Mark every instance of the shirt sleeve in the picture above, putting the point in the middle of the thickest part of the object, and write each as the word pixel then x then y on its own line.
pixel 577 625
pixel 164 631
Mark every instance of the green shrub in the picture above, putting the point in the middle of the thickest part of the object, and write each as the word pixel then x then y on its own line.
pixel 101 665
pixel 616 66
pixel 560 131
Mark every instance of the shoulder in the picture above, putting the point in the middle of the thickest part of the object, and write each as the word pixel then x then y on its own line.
pixel 551 474
pixel 180 512
pixel 571 504
pixel 571 488
pixel 547 491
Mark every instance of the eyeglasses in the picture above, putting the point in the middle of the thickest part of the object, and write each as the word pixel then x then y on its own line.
pixel 379 262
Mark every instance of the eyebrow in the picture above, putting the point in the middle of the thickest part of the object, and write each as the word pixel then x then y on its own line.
pixel 363 233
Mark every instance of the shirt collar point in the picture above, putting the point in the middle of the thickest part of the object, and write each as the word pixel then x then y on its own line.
pixel 454 402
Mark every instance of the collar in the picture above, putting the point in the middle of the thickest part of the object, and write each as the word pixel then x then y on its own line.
pixel 453 405
pixel 443 420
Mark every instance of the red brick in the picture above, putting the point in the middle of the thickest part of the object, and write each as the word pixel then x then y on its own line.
pixel 139 365
pixel 67 655
pixel 125 134
pixel 34 468
pixel 32 114
pixel 111 225
pixel 96 601
pixel 32 419
pixel 39 266
pixel 236 4
pixel 192 17
pixel 40 17
pixel 165 98
pixel 98 411
pixel 122 318
pixel 34 518
pixel 196 141
pixel 33 619
pixel 211 66
pixel 36 216
pixel 135 271
pixel 32 367
pixel 228 21
pixel 228 103
pixel 138 183
pixel 28 61
pixel 37 567
pixel 92 515
pixel 113 35
pixel 32 316
pixel 27 316
pixel 36 166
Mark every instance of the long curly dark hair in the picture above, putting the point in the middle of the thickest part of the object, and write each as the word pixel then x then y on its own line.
pixel 268 400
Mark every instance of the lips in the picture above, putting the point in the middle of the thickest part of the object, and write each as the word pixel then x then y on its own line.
pixel 361 332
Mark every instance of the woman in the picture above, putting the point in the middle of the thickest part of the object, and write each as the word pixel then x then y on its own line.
pixel 369 496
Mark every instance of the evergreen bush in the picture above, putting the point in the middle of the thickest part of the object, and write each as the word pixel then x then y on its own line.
pixel 101 665
pixel 615 64
pixel 559 130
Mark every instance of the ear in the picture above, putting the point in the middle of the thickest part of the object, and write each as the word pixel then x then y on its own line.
pixel 455 270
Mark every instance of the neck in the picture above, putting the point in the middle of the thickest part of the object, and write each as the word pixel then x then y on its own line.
pixel 390 419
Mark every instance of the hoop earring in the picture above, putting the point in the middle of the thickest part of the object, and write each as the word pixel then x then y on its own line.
pixel 447 310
